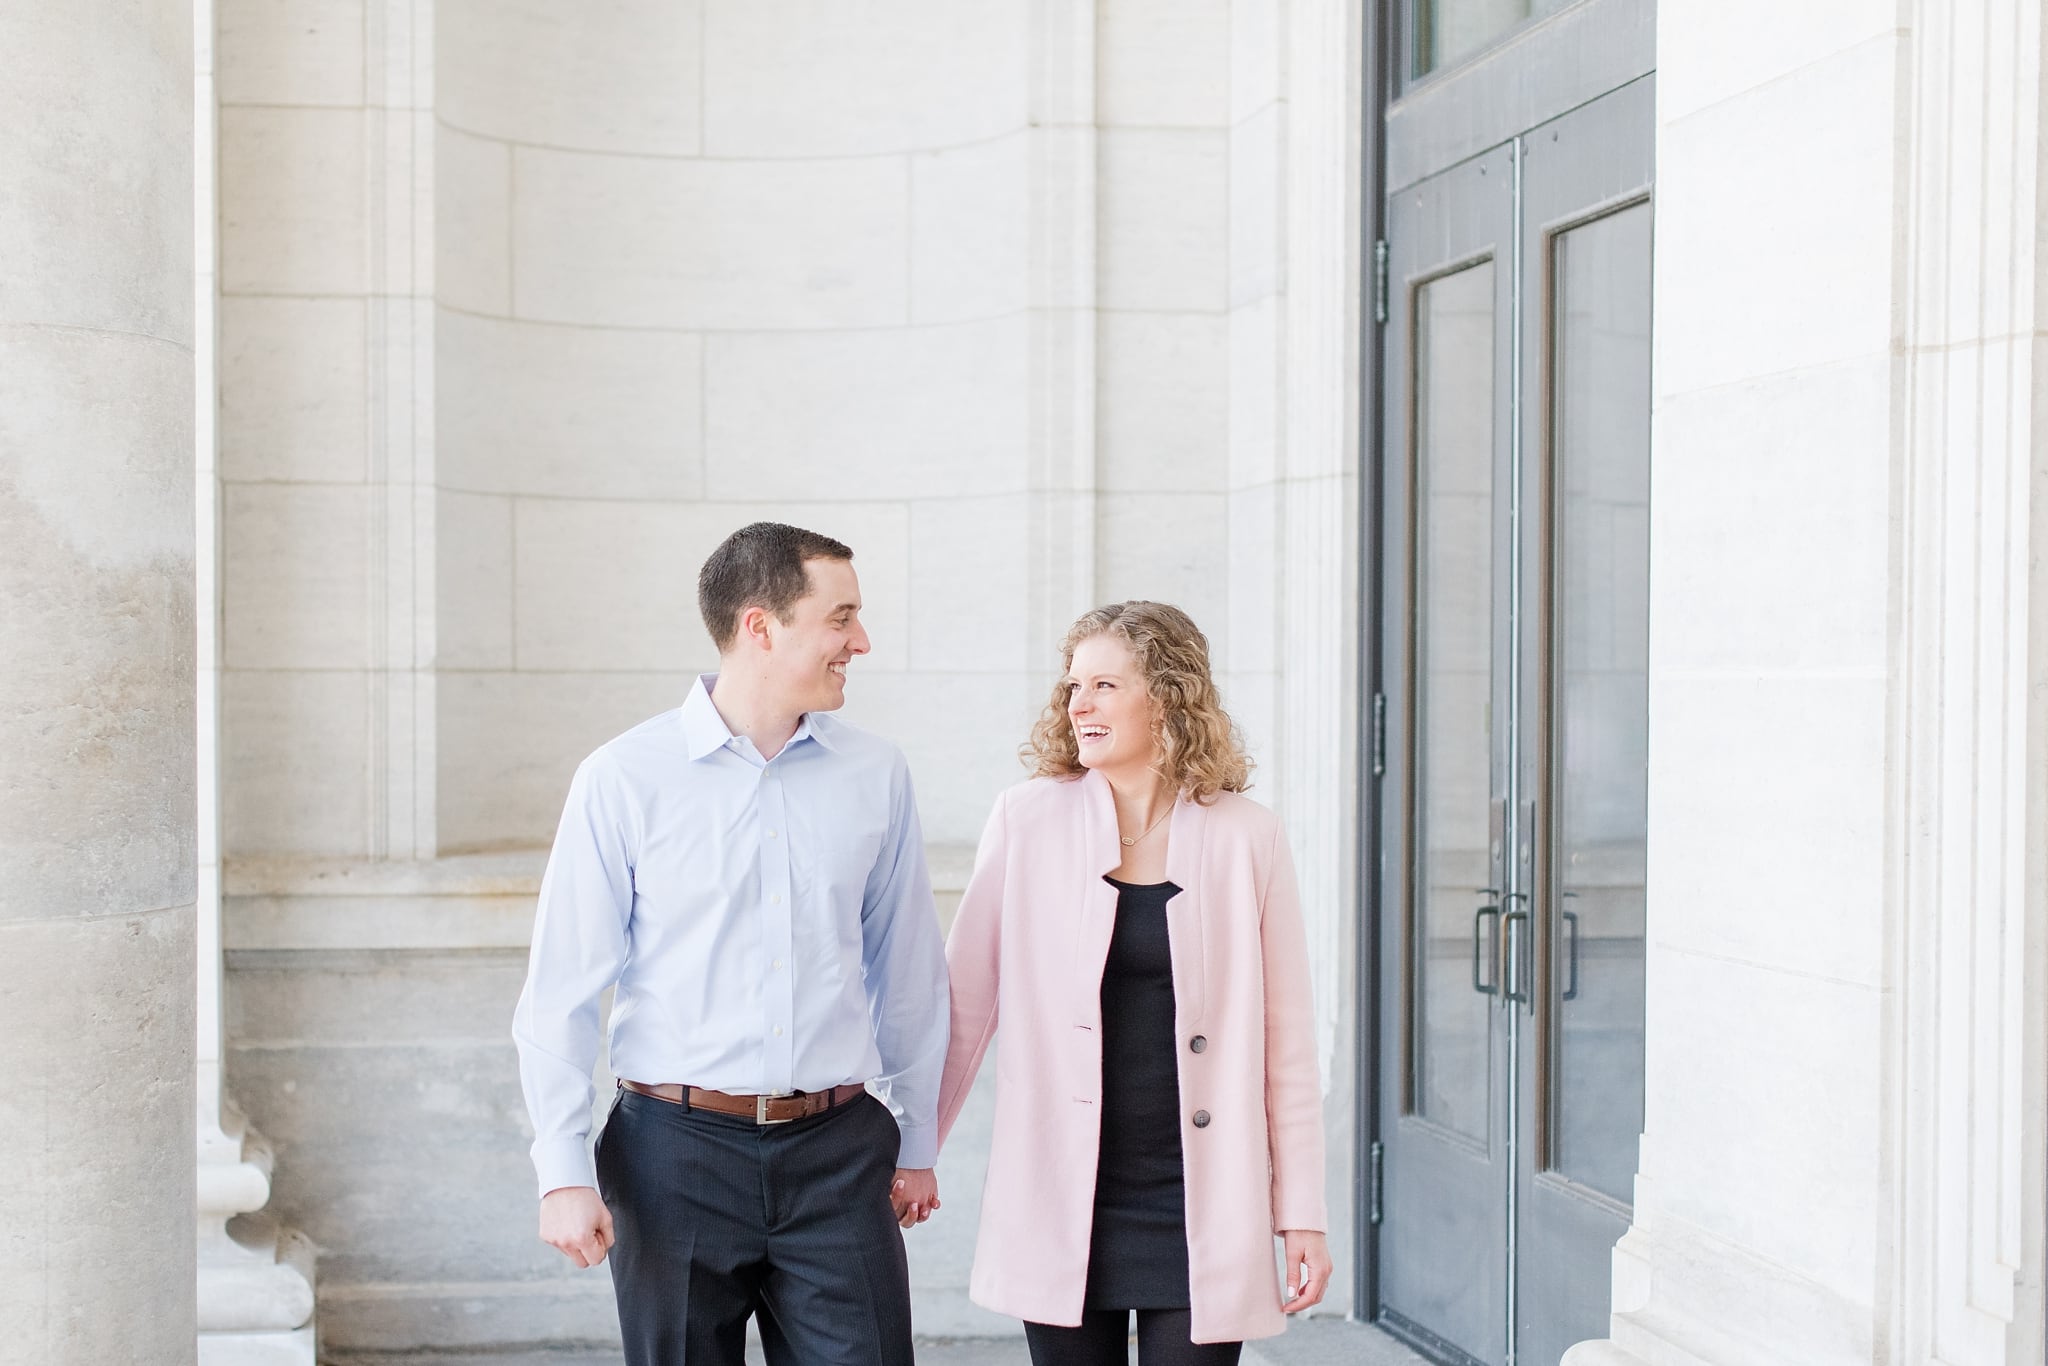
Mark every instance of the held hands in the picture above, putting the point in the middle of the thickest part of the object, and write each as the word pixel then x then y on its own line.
pixel 574 1221
pixel 1308 1268
pixel 914 1194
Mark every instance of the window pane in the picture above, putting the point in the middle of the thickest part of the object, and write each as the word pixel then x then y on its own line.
pixel 1448 31
pixel 1600 707
pixel 1453 577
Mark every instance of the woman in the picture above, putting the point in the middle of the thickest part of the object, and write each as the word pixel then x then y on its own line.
pixel 1132 922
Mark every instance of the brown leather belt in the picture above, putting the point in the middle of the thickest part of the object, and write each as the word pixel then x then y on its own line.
pixel 760 1109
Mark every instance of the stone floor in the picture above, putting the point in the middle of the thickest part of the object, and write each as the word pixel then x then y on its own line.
pixel 967 1352
pixel 1314 1342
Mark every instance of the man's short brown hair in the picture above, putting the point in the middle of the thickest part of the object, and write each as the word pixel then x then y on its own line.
pixel 759 566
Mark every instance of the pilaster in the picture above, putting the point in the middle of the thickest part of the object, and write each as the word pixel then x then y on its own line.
pixel 1317 598
pixel 1968 922
pixel 399 136
pixel 1061 292
pixel 1318 544
pixel 254 1286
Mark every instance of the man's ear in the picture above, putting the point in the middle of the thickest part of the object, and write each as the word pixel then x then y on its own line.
pixel 754 628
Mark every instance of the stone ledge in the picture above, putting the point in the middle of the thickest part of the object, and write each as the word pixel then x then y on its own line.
pixel 344 922
pixel 570 1312
pixel 512 872
pixel 463 902
pixel 507 872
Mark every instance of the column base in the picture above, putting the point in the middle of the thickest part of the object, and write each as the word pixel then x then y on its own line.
pixel 255 1291
pixel 1599 1352
pixel 1684 1296
pixel 257 1278
pixel 293 1347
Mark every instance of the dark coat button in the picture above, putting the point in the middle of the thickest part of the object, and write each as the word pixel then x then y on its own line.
pixel 1201 1119
pixel 1197 1044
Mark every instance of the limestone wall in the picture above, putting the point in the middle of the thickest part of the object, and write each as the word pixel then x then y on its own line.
pixel 698 265
pixel 520 315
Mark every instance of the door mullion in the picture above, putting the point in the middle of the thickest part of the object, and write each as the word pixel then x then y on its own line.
pixel 1516 880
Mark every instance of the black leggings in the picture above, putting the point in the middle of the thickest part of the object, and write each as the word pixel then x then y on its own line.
pixel 1103 1339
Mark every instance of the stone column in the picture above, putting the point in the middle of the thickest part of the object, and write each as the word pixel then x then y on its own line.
pixel 96 693
pixel 1845 1135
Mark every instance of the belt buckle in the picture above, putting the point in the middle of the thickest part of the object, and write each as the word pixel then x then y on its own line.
pixel 761 1107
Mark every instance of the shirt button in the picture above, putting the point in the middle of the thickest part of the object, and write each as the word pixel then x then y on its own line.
pixel 1201 1116
pixel 1197 1044
pixel 775 897
pixel 778 1034
pixel 771 834
pixel 777 965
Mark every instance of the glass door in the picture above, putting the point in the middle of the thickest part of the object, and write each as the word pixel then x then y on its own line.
pixel 1514 662
pixel 1583 741
pixel 1447 1046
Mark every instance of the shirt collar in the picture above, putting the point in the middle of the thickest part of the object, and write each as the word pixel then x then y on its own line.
pixel 705 731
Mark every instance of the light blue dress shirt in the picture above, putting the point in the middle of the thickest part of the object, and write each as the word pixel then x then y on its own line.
pixel 769 924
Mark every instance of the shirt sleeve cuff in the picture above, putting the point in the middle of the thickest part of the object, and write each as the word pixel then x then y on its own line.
pixel 566 1161
pixel 919 1147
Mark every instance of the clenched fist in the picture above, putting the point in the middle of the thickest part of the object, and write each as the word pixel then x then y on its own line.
pixel 574 1221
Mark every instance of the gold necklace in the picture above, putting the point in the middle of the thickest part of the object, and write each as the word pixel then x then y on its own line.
pixel 1128 841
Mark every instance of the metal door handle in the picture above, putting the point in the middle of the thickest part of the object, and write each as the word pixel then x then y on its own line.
pixel 1571 934
pixel 1479 985
pixel 1511 923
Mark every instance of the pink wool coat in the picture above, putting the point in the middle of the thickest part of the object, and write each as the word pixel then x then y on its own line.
pixel 1027 949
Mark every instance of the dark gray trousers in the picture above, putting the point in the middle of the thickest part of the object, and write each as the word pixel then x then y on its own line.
pixel 718 1218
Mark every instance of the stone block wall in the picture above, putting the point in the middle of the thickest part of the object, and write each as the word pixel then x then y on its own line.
pixel 710 263
pixel 520 314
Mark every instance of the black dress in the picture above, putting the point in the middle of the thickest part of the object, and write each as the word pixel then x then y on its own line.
pixel 1138 1255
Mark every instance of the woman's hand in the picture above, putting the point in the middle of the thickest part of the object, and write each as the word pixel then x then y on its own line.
pixel 914 1195
pixel 1308 1268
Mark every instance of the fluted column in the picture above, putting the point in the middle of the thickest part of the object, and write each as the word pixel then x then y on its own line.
pixel 1844 1141
pixel 96 692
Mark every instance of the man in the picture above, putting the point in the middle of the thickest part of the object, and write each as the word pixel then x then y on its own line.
pixel 750 873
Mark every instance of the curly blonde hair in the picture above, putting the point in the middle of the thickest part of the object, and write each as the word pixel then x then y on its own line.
pixel 1201 752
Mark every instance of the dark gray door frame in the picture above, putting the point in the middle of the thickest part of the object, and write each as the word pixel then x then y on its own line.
pixel 1413 129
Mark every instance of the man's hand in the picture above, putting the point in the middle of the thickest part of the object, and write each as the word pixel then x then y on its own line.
pixel 574 1221
pixel 1308 1268
pixel 914 1194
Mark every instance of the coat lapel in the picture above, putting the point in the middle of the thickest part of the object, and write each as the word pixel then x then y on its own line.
pixel 1095 840
pixel 1186 929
